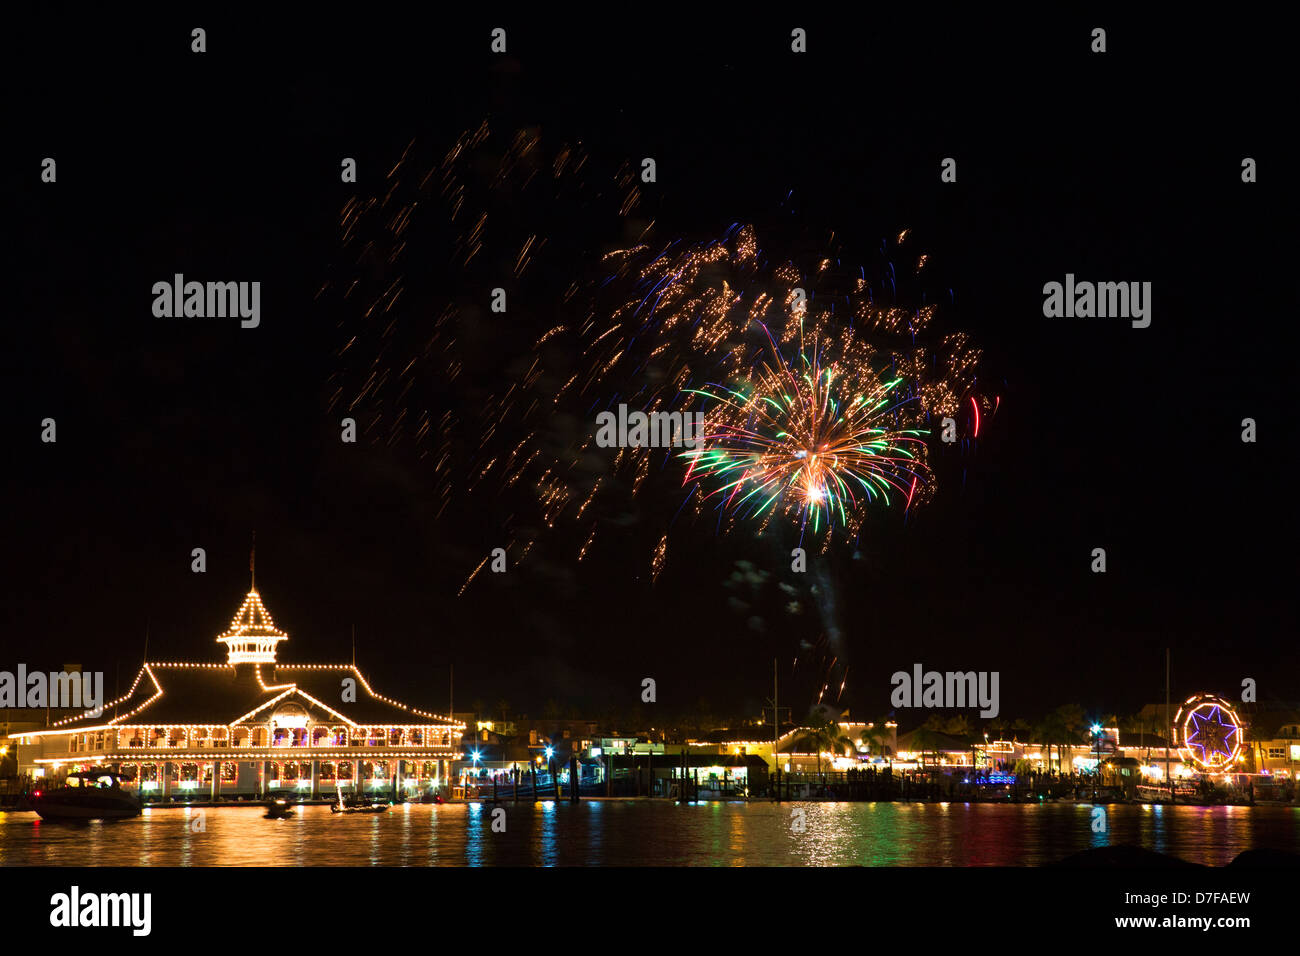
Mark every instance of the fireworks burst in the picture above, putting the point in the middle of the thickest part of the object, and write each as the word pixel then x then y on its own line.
pixel 496 412
pixel 817 398
pixel 815 441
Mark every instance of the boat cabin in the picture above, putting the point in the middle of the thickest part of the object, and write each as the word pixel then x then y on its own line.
pixel 94 779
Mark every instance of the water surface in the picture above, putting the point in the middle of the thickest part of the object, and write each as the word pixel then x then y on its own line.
pixel 648 833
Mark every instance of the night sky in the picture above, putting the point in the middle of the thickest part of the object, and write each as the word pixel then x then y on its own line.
pixel 175 434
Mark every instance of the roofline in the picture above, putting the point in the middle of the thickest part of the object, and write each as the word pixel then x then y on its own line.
pixel 90 713
pixel 261 753
pixel 147 668
pixel 293 689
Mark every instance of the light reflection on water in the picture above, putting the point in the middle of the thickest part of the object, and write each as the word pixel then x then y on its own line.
pixel 648 833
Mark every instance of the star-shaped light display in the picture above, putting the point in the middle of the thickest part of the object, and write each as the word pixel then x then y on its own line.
pixel 1212 735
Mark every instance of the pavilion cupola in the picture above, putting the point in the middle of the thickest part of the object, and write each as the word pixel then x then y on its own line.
pixel 253 636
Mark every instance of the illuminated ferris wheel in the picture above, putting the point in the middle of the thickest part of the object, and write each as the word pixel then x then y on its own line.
pixel 1208 733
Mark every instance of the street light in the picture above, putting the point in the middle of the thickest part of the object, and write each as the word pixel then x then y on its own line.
pixel 1096 750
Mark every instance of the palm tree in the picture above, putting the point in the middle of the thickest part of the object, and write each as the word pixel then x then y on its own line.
pixel 1140 725
pixel 1050 731
pixel 936 728
pixel 999 728
pixel 1109 720
pixel 926 740
pixel 876 737
pixel 1253 738
pixel 965 730
pixel 1059 728
pixel 824 734
pixel 1019 726
pixel 1072 724
pixel 960 726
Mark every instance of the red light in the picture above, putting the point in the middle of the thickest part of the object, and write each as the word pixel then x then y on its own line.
pixel 36 794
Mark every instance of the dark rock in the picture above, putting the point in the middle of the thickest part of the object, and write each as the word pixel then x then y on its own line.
pixel 1264 857
pixel 1122 856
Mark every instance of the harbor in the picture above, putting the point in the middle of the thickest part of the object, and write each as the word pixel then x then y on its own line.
pixel 648 832
pixel 320 734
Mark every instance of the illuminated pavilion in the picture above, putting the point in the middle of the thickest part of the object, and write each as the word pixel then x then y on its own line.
pixel 251 727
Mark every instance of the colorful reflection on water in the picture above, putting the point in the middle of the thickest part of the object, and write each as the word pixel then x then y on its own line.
pixel 649 833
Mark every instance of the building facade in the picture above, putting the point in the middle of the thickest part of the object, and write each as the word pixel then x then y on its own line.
pixel 251 727
pixel 1274 744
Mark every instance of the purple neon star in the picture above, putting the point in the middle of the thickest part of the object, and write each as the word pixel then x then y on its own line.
pixel 1212 736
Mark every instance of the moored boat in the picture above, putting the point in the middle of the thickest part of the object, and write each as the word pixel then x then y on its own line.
pixel 277 810
pixel 358 804
pixel 362 808
pixel 87 795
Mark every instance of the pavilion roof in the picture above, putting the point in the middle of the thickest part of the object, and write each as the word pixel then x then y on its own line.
pixel 167 693
pixel 246 687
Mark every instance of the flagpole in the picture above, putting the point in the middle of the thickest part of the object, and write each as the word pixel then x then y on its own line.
pixel 1169 731
pixel 776 722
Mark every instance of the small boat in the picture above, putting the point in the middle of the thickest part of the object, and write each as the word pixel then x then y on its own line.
pixel 361 808
pixel 358 805
pixel 277 810
pixel 87 795
pixel 1148 793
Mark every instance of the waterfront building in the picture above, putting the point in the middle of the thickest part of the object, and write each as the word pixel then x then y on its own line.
pixel 923 747
pixel 944 752
pixel 625 744
pixel 251 726
pixel 711 775
pixel 794 751
pixel 1274 743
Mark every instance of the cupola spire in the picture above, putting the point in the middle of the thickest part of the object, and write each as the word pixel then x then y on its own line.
pixel 253 636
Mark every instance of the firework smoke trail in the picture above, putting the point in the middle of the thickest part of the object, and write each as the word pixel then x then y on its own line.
pixel 465 397
pixel 824 596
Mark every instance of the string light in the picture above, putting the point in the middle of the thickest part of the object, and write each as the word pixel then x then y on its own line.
pixel 251 639
pixel 253 636
pixel 1208 733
